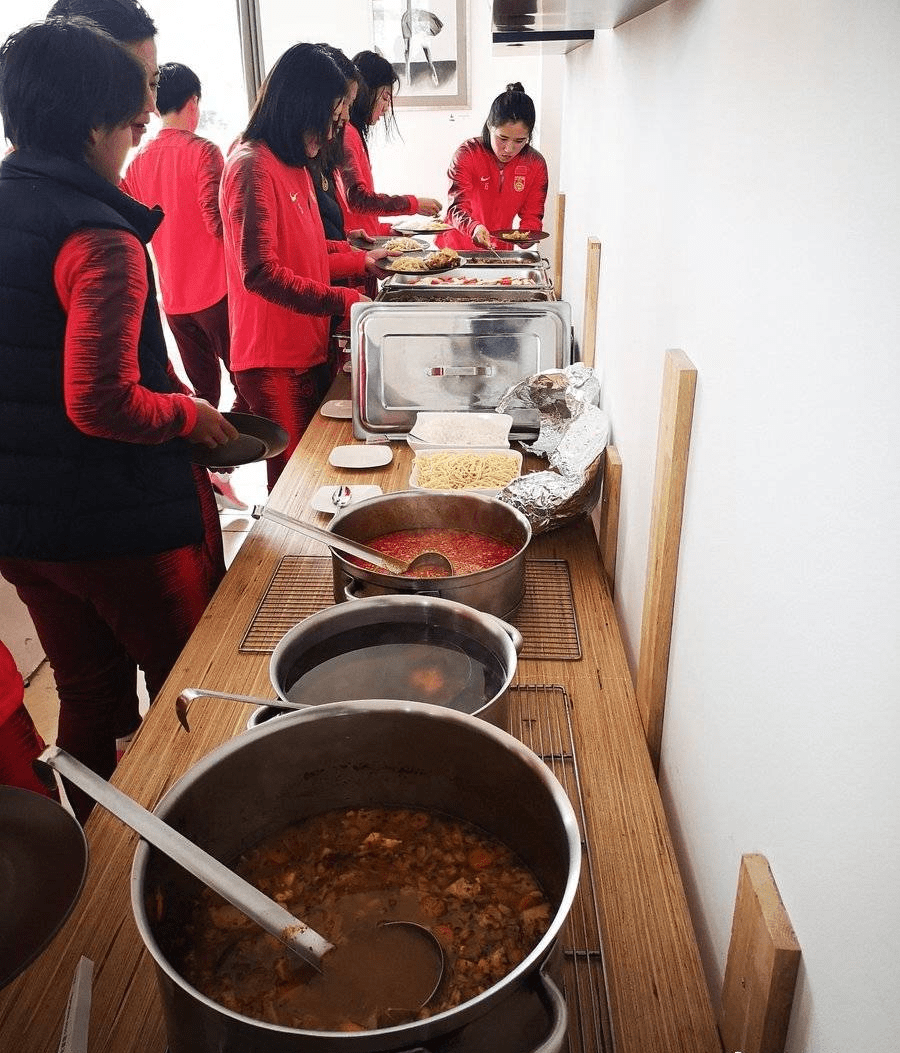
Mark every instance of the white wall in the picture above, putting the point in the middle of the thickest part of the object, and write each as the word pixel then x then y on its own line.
pixel 739 163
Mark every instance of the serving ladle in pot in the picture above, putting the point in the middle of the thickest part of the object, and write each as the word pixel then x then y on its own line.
pixel 429 560
pixel 271 916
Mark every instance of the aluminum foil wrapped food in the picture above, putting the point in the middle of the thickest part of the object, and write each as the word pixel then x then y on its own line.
pixel 573 436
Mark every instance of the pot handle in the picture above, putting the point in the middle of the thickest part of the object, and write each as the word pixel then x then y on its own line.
pixel 349 594
pixel 555 1040
pixel 511 631
pixel 190 693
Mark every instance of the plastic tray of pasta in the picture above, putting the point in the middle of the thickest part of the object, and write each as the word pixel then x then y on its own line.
pixel 484 471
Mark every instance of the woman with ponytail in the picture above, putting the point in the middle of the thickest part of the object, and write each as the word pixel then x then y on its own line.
pixel 498 177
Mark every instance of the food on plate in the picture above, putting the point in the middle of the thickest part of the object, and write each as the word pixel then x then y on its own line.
pixel 432 262
pixel 468 551
pixel 408 263
pixel 519 235
pixel 462 470
pixel 460 279
pixel 402 245
pixel 343 872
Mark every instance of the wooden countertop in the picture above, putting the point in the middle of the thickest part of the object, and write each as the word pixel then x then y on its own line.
pixel 657 993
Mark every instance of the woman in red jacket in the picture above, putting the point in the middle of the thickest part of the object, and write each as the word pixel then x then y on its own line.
pixel 498 177
pixel 279 267
pixel 374 101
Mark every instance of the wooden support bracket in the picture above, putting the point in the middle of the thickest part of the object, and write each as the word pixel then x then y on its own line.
pixel 761 968
pixel 591 295
pixel 606 517
pixel 558 256
pixel 673 443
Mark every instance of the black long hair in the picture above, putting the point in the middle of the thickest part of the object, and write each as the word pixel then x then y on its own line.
pixel 297 97
pixel 510 106
pixel 126 20
pixel 377 73
pixel 63 78
pixel 332 154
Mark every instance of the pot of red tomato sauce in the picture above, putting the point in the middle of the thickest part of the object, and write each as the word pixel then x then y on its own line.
pixel 485 540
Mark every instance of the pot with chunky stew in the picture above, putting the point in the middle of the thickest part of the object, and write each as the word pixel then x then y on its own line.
pixel 354 814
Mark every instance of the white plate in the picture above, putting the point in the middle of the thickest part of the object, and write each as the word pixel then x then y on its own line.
pixel 361 456
pixel 321 500
pixel 341 409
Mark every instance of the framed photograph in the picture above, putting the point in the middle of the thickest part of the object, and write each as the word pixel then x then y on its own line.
pixel 427 44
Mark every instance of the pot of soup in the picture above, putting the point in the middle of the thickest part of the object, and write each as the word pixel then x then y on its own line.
pixel 419 648
pixel 347 812
pixel 485 540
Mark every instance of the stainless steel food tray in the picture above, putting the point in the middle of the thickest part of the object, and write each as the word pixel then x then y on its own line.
pixel 453 356
pixel 503 258
pixel 399 295
pixel 453 284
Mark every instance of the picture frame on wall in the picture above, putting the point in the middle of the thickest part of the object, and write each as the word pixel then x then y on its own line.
pixel 426 41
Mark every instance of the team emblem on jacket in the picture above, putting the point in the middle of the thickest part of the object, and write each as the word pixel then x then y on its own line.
pixel 519 184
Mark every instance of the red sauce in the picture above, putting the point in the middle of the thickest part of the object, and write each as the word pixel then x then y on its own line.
pixel 468 551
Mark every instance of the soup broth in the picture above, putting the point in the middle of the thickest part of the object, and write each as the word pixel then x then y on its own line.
pixel 344 872
pixel 429 664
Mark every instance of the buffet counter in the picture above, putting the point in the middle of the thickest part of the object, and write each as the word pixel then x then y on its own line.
pixel 646 956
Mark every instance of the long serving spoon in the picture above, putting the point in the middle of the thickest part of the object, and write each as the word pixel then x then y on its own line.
pixel 294 934
pixel 434 561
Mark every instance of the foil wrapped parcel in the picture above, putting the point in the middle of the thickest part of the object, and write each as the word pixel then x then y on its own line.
pixel 573 436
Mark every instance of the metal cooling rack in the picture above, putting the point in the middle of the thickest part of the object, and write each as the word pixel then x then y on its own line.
pixel 541 718
pixel 302 585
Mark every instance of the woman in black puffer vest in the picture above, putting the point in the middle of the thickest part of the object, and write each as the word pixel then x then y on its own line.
pixel 108 533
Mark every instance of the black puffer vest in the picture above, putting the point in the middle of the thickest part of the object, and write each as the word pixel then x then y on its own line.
pixel 65 495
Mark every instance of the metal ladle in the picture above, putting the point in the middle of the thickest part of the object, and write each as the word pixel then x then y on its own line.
pixel 429 560
pixel 294 934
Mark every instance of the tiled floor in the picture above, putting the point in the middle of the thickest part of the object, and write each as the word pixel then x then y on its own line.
pixel 17 632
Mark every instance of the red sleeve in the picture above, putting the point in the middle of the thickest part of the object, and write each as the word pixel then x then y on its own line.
pixel 252 213
pixel 359 187
pixel 461 181
pixel 101 281
pixel 344 261
pixel 531 213
pixel 210 176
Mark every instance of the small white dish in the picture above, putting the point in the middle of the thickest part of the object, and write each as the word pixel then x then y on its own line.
pixel 339 409
pixel 361 456
pixel 321 499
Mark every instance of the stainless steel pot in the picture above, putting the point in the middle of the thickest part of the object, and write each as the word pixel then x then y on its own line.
pixel 352 754
pixel 471 630
pixel 498 590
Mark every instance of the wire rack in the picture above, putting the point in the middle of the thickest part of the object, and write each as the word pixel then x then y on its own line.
pixel 302 585
pixel 541 718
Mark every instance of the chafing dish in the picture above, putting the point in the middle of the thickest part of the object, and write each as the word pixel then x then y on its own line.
pixel 471 283
pixel 453 356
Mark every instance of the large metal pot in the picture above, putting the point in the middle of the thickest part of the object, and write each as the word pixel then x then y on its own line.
pixel 498 590
pixel 352 754
pixel 471 631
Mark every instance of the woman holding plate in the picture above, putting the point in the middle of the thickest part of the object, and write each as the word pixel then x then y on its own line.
pixel 497 177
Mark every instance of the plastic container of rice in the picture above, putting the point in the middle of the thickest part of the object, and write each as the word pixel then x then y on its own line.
pixel 483 471
pixel 481 431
